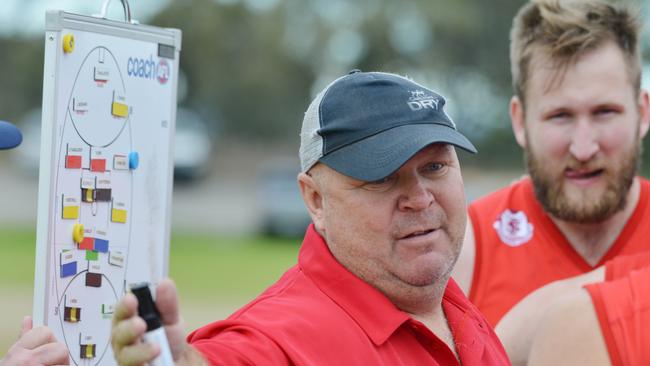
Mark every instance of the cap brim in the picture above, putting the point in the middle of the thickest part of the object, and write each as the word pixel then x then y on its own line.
pixel 10 136
pixel 378 156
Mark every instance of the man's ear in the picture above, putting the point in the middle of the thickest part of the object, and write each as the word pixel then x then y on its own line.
pixel 313 198
pixel 518 121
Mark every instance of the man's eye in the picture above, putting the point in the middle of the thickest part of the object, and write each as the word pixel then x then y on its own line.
pixel 560 115
pixel 605 111
pixel 434 167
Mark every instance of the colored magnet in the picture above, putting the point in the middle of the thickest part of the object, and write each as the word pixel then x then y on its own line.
pixel 67 256
pixel 87 195
pixel 79 105
pixel 73 162
pixel 87 351
pixel 78 233
pixel 98 165
pixel 93 279
pixel 120 162
pixel 101 74
pixel 68 43
pixel 103 195
pixel 101 245
pixel 72 315
pixel 134 160
pixel 70 212
pixel 108 308
pixel 91 255
pixel 94 268
pixel 120 110
pixel 118 215
pixel 87 244
pixel 88 182
pixel 69 269
pixel 116 259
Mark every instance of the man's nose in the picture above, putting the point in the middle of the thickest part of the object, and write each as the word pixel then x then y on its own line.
pixel 417 196
pixel 584 141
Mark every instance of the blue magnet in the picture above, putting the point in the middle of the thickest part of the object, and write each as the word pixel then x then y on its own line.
pixel 69 269
pixel 101 245
pixel 134 160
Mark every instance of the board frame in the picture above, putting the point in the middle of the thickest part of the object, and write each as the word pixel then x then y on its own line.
pixel 56 22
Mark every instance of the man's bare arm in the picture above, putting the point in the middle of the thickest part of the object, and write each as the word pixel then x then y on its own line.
pixel 570 335
pixel 518 327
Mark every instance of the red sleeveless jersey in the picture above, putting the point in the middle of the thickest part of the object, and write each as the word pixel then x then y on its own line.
pixel 623 309
pixel 519 248
pixel 619 267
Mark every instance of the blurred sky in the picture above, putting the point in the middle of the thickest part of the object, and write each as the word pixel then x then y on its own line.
pixel 27 17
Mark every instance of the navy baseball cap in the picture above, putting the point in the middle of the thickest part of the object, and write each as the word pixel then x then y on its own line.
pixel 10 136
pixel 366 125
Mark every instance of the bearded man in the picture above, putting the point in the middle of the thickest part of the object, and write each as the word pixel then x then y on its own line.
pixel 579 114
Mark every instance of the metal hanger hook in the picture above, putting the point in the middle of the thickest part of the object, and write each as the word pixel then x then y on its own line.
pixel 125 5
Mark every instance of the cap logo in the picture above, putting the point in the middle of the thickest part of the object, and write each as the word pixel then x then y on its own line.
pixel 420 100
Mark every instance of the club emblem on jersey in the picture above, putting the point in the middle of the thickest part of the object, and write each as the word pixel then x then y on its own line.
pixel 513 228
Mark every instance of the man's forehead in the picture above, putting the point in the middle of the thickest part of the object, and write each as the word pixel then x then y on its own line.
pixel 589 80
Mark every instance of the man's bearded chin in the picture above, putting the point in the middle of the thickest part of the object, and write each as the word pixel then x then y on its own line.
pixel 582 208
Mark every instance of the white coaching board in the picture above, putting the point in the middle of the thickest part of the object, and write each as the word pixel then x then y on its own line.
pixel 104 201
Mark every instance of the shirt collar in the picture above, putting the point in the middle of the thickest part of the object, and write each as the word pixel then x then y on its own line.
pixel 364 303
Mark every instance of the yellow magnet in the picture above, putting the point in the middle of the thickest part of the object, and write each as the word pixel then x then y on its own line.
pixel 70 212
pixel 89 195
pixel 120 109
pixel 73 315
pixel 68 43
pixel 78 233
pixel 118 215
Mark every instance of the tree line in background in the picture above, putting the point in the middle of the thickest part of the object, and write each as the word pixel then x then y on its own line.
pixel 251 71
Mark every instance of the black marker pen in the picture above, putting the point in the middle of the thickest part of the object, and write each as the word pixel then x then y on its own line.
pixel 155 331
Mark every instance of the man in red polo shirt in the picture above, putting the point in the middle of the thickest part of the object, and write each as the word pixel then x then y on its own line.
pixel 382 183
pixel 580 115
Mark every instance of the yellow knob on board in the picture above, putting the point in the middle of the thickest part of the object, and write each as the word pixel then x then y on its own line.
pixel 78 233
pixel 68 43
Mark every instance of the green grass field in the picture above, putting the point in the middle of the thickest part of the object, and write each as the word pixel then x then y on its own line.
pixel 214 275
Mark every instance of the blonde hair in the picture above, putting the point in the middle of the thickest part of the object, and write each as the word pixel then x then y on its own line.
pixel 567 29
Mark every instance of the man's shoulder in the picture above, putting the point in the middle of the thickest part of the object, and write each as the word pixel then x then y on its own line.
pixel 290 303
pixel 294 292
pixel 294 298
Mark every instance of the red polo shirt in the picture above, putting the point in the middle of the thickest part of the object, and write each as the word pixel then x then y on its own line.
pixel 319 313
